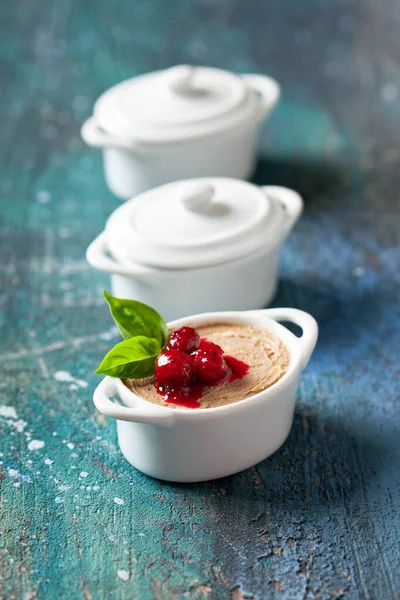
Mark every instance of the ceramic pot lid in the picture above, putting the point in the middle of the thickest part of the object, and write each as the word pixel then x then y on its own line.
pixel 194 223
pixel 175 104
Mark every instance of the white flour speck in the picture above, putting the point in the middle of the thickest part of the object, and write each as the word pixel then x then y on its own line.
pixel 19 425
pixel 43 197
pixel 55 433
pixel 1 454
pixel 8 411
pixel 119 501
pixel 70 445
pixel 141 534
pixel 16 484
pixel 74 455
pixel 96 488
pixel 84 474
pixel 47 461
pixel 66 377
pixel 89 487
pixel 73 467
pixel 358 271
pixel 64 488
pixel 124 575
pixel 74 387
pixel 59 500
pixel 16 474
pixel 35 445
pixel 108 335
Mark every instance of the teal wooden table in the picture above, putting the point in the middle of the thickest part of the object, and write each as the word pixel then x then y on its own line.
pixel 318 520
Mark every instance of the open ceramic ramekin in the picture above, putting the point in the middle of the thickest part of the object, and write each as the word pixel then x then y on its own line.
pixel 197 445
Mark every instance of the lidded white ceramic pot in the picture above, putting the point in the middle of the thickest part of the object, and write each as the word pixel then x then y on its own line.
pixel 179 123
pixel 197 245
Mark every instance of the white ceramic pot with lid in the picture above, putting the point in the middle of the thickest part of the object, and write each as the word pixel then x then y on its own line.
pixel 179 123
pixel 197 245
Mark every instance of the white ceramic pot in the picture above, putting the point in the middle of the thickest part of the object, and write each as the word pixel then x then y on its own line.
pixel 179 123
pixel 201 444
pixel 197 245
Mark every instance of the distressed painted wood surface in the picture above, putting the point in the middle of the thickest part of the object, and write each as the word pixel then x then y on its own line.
pixel 318 520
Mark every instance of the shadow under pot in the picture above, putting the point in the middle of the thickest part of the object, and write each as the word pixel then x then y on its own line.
pixel 197 245
pixel 179 123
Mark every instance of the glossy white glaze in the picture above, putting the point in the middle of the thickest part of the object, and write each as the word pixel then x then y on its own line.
pixel 197 445
pixel 247 282
pixel 156 128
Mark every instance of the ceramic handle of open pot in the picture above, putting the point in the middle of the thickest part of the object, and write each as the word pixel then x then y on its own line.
pixel 307 323
pixel 97 257
pixel 291 201
pixel 152 416
pixel 267 88
pixel 94 136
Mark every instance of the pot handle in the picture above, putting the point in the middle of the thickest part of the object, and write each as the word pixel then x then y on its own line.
pixel 268 90
pixel 97 257
pixel 163 417
pixel 94 136
pixel 291 201
pixel 307 323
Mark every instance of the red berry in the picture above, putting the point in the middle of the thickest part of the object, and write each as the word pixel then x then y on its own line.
pixel 173 366
pixel 213 350
pixel 185 339
pixel 209 365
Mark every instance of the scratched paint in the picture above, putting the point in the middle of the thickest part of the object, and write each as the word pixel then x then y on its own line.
pixel 319 519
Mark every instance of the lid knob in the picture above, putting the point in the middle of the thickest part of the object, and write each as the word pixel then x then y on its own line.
pixel 197 196
pixel 180 78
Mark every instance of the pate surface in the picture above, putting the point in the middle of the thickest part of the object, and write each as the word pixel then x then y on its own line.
pixel 266 355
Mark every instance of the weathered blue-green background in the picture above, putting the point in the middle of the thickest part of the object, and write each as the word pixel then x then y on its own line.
pixel 320 519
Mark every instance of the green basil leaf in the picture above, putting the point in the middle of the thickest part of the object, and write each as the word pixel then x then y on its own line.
pixel 134 318
pixel 132 358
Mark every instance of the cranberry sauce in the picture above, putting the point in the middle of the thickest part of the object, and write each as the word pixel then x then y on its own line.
pixel 238 367
pixel 185 396
pixel 189 365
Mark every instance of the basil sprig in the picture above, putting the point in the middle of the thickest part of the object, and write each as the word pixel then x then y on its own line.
pixel 145 333
pixel 135 318
pixel 131 358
